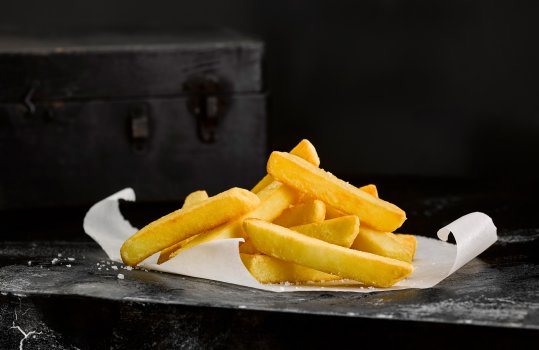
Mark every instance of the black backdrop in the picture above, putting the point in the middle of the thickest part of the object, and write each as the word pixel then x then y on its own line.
pixel 380 87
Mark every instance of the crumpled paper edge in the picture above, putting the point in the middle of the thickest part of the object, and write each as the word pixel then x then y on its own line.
pixel 435 260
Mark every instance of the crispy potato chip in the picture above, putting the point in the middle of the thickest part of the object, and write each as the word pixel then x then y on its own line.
pixel 273 200
pixel 300 214
pixel 194 198
pixel 267 269
pixel 340 231
pixel 305 177
pixel 370 189
pixel 385 244
pixel 303 149
pixel 191 199
pixel 291 246
pixel 332 213
pixel 184 223
pixel 247 247
pixel 409 242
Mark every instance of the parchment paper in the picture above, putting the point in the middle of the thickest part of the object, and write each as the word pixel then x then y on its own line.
pixel 220 260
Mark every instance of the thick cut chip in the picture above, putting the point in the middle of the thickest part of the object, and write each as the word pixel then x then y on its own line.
pixel 165 253
pixel 194 198
pixel 408 241
pixel 247 247
pixel 267 269
pixel 301 214
pixel 340 231
pixel 384 244
pixel 303 149
pixel 305 177
pixel 184 223
pixel 370 189
pixel 291 246
pixel 332 213
pixel 273 200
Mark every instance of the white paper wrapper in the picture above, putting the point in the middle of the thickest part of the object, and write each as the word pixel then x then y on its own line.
pixel 220 260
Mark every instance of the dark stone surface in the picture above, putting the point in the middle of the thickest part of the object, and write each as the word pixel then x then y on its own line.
pixel 493 300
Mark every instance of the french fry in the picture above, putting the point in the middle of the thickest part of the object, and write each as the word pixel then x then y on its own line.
pixel 385 244
pixel 303 149
pixel 247 247
pixel 184 223
pixel 273 200
pixel 370 189
pixel 191 199
pixel 300 214
pixel 194 197
pixel 165 253
pixel 267 269
pixel 332 213
pixel 408 241
pixel 340 231
pixel 305 177
pixel 291 246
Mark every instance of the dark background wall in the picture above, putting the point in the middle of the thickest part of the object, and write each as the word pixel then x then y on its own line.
pixel 380 87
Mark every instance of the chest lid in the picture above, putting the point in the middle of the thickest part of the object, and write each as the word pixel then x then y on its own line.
pixel 119 65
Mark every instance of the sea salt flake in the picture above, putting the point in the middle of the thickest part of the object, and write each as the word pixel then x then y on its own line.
pixel 59 255
pixel 115 267
pixel 121 276
pixel 29 262
pixel 68 265
pixel 71 259
pixel 128 268
pixel 54 261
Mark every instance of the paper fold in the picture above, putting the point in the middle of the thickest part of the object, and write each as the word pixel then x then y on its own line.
pixel 220 260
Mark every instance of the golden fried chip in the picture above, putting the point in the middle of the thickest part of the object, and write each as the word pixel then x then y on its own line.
pixel 247 247
pixel 409 242
pixel 370 189
pixel 332 213
pixel 305 177
pixel 385 244
pixel 194 197
pixel 190 200
pixel 340 231
pixel 273 200
pixel 291 246
pixel 303 149
pixel 184 223
pixel 301 214
pixel 267 269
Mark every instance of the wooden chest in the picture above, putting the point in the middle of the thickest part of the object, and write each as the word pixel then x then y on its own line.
pixel 85 116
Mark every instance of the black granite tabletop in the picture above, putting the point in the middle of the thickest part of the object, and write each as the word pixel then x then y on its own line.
pixel 58 284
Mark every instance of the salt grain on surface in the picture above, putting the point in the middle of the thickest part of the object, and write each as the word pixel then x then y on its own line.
pixel 115 267
pixel 121 276
pixel 59 255
pixel 54 261
pixel 128 268
pixel 29 262
pixel 71 259
pixel 68 265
